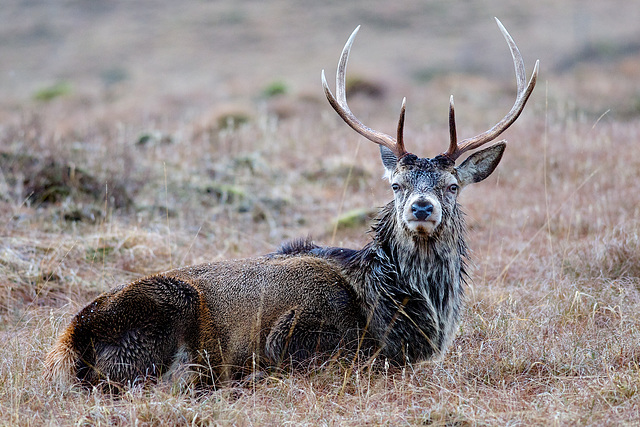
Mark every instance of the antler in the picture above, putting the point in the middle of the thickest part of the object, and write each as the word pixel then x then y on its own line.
pixel 343 110
pixel 456 149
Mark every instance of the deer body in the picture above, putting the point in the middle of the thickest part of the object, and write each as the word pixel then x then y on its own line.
pixel 223 315
pixel 398 298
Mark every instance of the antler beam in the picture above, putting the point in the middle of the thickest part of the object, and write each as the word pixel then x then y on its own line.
pixel 396 145
pixel 457 149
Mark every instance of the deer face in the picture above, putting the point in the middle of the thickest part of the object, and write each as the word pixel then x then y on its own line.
pixel 426 190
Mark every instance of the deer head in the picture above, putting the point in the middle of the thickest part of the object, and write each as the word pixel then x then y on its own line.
pixel 426 189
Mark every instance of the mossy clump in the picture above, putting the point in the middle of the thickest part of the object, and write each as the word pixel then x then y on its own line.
pixel 49 93
pixel 359 85
pixel 49 181
pixel 274 89
pixel 232 120
pixel 154 138
pixel 355 218
pixel 225 193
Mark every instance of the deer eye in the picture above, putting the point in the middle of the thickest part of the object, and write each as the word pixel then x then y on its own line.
pixel 395 187
pixel 453 188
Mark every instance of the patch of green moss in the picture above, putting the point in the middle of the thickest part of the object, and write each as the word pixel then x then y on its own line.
pixel 49 93
pixel 274 89
pixel 355 218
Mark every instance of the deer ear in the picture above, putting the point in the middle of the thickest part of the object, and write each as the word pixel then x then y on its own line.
pixel 480 165
pixel 389 159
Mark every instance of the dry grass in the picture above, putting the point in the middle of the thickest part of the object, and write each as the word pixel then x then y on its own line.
pixel 550 334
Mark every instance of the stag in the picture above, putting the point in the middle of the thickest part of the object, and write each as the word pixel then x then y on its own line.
pixel 398 298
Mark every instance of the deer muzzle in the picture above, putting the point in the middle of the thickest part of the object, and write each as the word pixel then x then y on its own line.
pixel 422 214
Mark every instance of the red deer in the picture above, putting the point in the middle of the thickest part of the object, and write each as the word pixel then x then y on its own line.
pixel 397 298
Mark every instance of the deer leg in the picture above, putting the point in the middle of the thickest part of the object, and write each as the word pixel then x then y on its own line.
pixel 298 337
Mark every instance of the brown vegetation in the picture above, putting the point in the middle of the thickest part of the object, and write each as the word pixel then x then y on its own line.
pixel 550 333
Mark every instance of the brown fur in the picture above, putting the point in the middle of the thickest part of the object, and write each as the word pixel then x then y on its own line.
pixel 274 309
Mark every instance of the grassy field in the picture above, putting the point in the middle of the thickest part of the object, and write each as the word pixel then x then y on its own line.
pixel 134 139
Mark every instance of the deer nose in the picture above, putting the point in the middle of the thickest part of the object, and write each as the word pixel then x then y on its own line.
pixel 421 209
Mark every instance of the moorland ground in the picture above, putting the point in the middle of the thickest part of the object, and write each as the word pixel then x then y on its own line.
pixel 136 138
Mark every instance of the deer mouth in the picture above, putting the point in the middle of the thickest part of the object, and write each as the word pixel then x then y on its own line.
pixel 427 226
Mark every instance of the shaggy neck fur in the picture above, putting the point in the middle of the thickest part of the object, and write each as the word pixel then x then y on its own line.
pixel 411 286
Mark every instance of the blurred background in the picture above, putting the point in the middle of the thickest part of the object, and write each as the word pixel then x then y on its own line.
pixel 181 58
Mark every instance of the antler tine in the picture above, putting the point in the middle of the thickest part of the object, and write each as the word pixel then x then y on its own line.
pixel 343 110
pixel 455 150
pixel 453 136
pixel 400 132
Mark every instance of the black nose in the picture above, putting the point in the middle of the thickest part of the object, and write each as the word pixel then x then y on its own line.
pixel 421 209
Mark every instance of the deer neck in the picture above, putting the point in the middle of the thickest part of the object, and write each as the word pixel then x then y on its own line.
pixel 425 265
pixel 411 288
